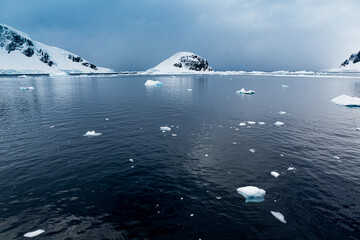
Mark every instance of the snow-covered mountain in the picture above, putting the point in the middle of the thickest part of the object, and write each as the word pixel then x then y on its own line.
pixel 352 64
pixel 20 54
pixel 182 62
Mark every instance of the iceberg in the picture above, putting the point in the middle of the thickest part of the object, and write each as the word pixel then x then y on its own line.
pixel 251 122
pixel 153 83
pixel 242 124
pixel 281 112
pixel 279 123
pixel 243 91
pixel 279 216
pixel 34 233
pixel 252 194
pixel 91 133
pixel 167 129
pixel 346 100
pixel 27 88
pixel 274 174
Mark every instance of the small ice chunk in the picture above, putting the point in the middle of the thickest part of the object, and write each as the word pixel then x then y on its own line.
pixel 251 122
pixel 281 155
pixel 218 198
pixel 191 215
pixel 281 112
pixel 206 155
pixel 357 129
pixel 346 100
pixel 274 174
pixel 279 123
pixel 131 160
pixel 27 88
pixel 189 89
pixel 167 129
pixel 92 133
pixel 261 123
pixel 291 169
pixel 243 91
pixel 252 150
pixel 252 194
pixel 52 126
pixel 107 119
pixel 153 83
pixel 336 157
pixel 34 233
pixel 174 134
pixel 279 216
pixel 242 124
pixel 284 86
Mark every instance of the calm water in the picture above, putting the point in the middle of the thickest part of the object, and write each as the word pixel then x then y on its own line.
pixel 77 187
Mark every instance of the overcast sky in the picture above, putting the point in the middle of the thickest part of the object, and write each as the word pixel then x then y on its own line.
pixel 231 34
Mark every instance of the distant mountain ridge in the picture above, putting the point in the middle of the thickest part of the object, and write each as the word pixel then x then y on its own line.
pixel 20 54
pixel 182 62
pixel 352 63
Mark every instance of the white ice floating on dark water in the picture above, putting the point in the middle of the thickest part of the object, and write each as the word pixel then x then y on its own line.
pixel 278 123
pixel 261 123
pixel 91 134
pixel 291 169
pixel 284 86
pixel 281 112
pixel 34 233
pixel 153 83
pixel 252 194
pixel 278 216
pixel 346 100
pixel 242 124
pixel 274 174
pixel 165 129
pixel 251 122
pixel 243 91
pixel 252 150
pixel 27 88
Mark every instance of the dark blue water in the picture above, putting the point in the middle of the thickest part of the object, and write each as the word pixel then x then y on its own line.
pixel 77 187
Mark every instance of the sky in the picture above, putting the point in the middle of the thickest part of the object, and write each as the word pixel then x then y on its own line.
pixel 134 35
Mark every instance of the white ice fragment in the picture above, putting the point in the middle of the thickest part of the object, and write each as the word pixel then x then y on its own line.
pixel 206 155
pixel 281 155
pixel 181 198
pixel 336 157
pixel 107 119
pixel 261 123
pixel 252 150
pixel 92 133
pixel 279 216
pixel 189 89
pixel 346 100
pixel 191 215
pixel 34 233
pixel 132 166
pixel 274 174
pixel 284 86
pixel 242 124
pixel 243 91
pixel 27 88
pixel 252 194
pixel 281 112
pixel 357 129
pixel 291 169
pixel 165 129
pixel 174 134
pixel 153 83
pixel 251 122
pixel 52 126
pixel 279 123
pixel 131 160
pixel 218 198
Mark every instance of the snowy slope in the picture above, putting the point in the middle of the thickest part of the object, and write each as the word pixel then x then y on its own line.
pixel 182 62
pixel 20 54
pixel 352 64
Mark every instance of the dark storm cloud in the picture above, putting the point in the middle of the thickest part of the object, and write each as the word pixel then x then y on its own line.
pixel 232 35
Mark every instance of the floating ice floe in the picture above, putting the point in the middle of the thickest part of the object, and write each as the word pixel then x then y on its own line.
pixel 281 112
pixel 191 215
pixel 242 124
pixel 252 150
pixel 346 100
pixel 106 119
pixel 291 168
pixel 218 198
pixel 336 157
pixel 153 83
pixel 34 233
pixel 252 194
pixel 131 160
pixel 92 133
pixel 243 91
pixel 174 135
pixel 261 123
pixel 357 129
pixel 27 88
pixel 274 174
pixel 165 129
pixel 279 123
pixel 279 216
pixel 189 89
pixel 52 126
pixel 284 86
pixel 251 122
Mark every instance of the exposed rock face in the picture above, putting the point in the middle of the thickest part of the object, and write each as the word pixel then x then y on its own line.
pixel 193 62
pixel 354 58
